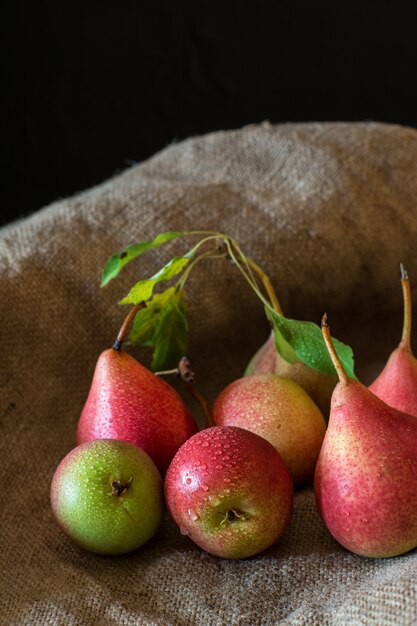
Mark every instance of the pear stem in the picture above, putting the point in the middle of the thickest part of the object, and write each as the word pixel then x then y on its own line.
pixel 126 326
pixel 188 378
pixel 118 488
pixel 406 334
pixel 343 377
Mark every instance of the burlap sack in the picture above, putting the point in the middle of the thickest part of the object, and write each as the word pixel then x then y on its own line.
pixel 329 210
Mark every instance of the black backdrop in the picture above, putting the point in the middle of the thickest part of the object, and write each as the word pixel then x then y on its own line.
pixel 91 89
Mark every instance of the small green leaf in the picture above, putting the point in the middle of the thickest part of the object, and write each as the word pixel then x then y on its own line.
pixel 170 338
pixel 142 291
pixel 307 344
pixel 118 261
pixel 147 319
pixel 163 326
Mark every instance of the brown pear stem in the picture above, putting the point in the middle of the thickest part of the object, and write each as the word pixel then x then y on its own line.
pixel 126 326
pixel 406 335
pixel 343 377
pixel 188 378
pixel 192 390
pixel 118 488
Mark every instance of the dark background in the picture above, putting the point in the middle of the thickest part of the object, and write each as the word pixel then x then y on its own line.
pixel 90 89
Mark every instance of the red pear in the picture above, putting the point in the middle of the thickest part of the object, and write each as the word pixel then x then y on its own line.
pixel 366 474
pixel 128 402
pixel 397 383
pixel 230 492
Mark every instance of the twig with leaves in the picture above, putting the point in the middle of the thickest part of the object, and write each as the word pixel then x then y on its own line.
pixel 163 326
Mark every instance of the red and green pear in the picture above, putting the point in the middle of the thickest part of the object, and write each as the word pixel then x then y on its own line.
pixel 128 402
pixel 366 474
pixel 230 492
pixel 397 383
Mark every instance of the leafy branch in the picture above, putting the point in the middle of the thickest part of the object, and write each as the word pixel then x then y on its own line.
pixel 163 325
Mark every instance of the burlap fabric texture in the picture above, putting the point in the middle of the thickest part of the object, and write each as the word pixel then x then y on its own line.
pixel 329 210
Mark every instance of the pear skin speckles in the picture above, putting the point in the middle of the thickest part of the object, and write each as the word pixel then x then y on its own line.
pixel 366 474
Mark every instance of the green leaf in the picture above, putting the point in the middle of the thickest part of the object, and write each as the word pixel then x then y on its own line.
pixel 306 343
pixel 163 326
pixel 143 290
pixel 118 261
pixel 284 348
pixel 147 319
pixel 170 337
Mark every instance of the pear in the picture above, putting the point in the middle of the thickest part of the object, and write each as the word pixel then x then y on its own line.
pixel 280 411
pixel 366 473
pixel 397 383
pixel 129 403
pixel 319 386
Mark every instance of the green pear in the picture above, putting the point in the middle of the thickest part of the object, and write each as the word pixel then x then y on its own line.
pixel 106 495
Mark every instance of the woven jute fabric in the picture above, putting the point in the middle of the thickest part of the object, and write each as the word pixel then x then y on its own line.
pixel 329 211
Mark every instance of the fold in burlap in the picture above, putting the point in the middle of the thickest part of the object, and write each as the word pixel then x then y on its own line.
pixel 329 210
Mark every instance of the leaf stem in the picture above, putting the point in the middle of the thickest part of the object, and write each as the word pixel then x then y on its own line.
pixel 242 271
pixel 343 377
pixel 173 372
pixel 406 334
pixel 251 265
pixel 203 232
pixel 201 242
pixel 209 254
pixel 126 325
pixel 268 286
pixel 245 260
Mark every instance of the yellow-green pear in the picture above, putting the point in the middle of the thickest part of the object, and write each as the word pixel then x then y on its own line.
pixel 319 386
pixel 279 410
